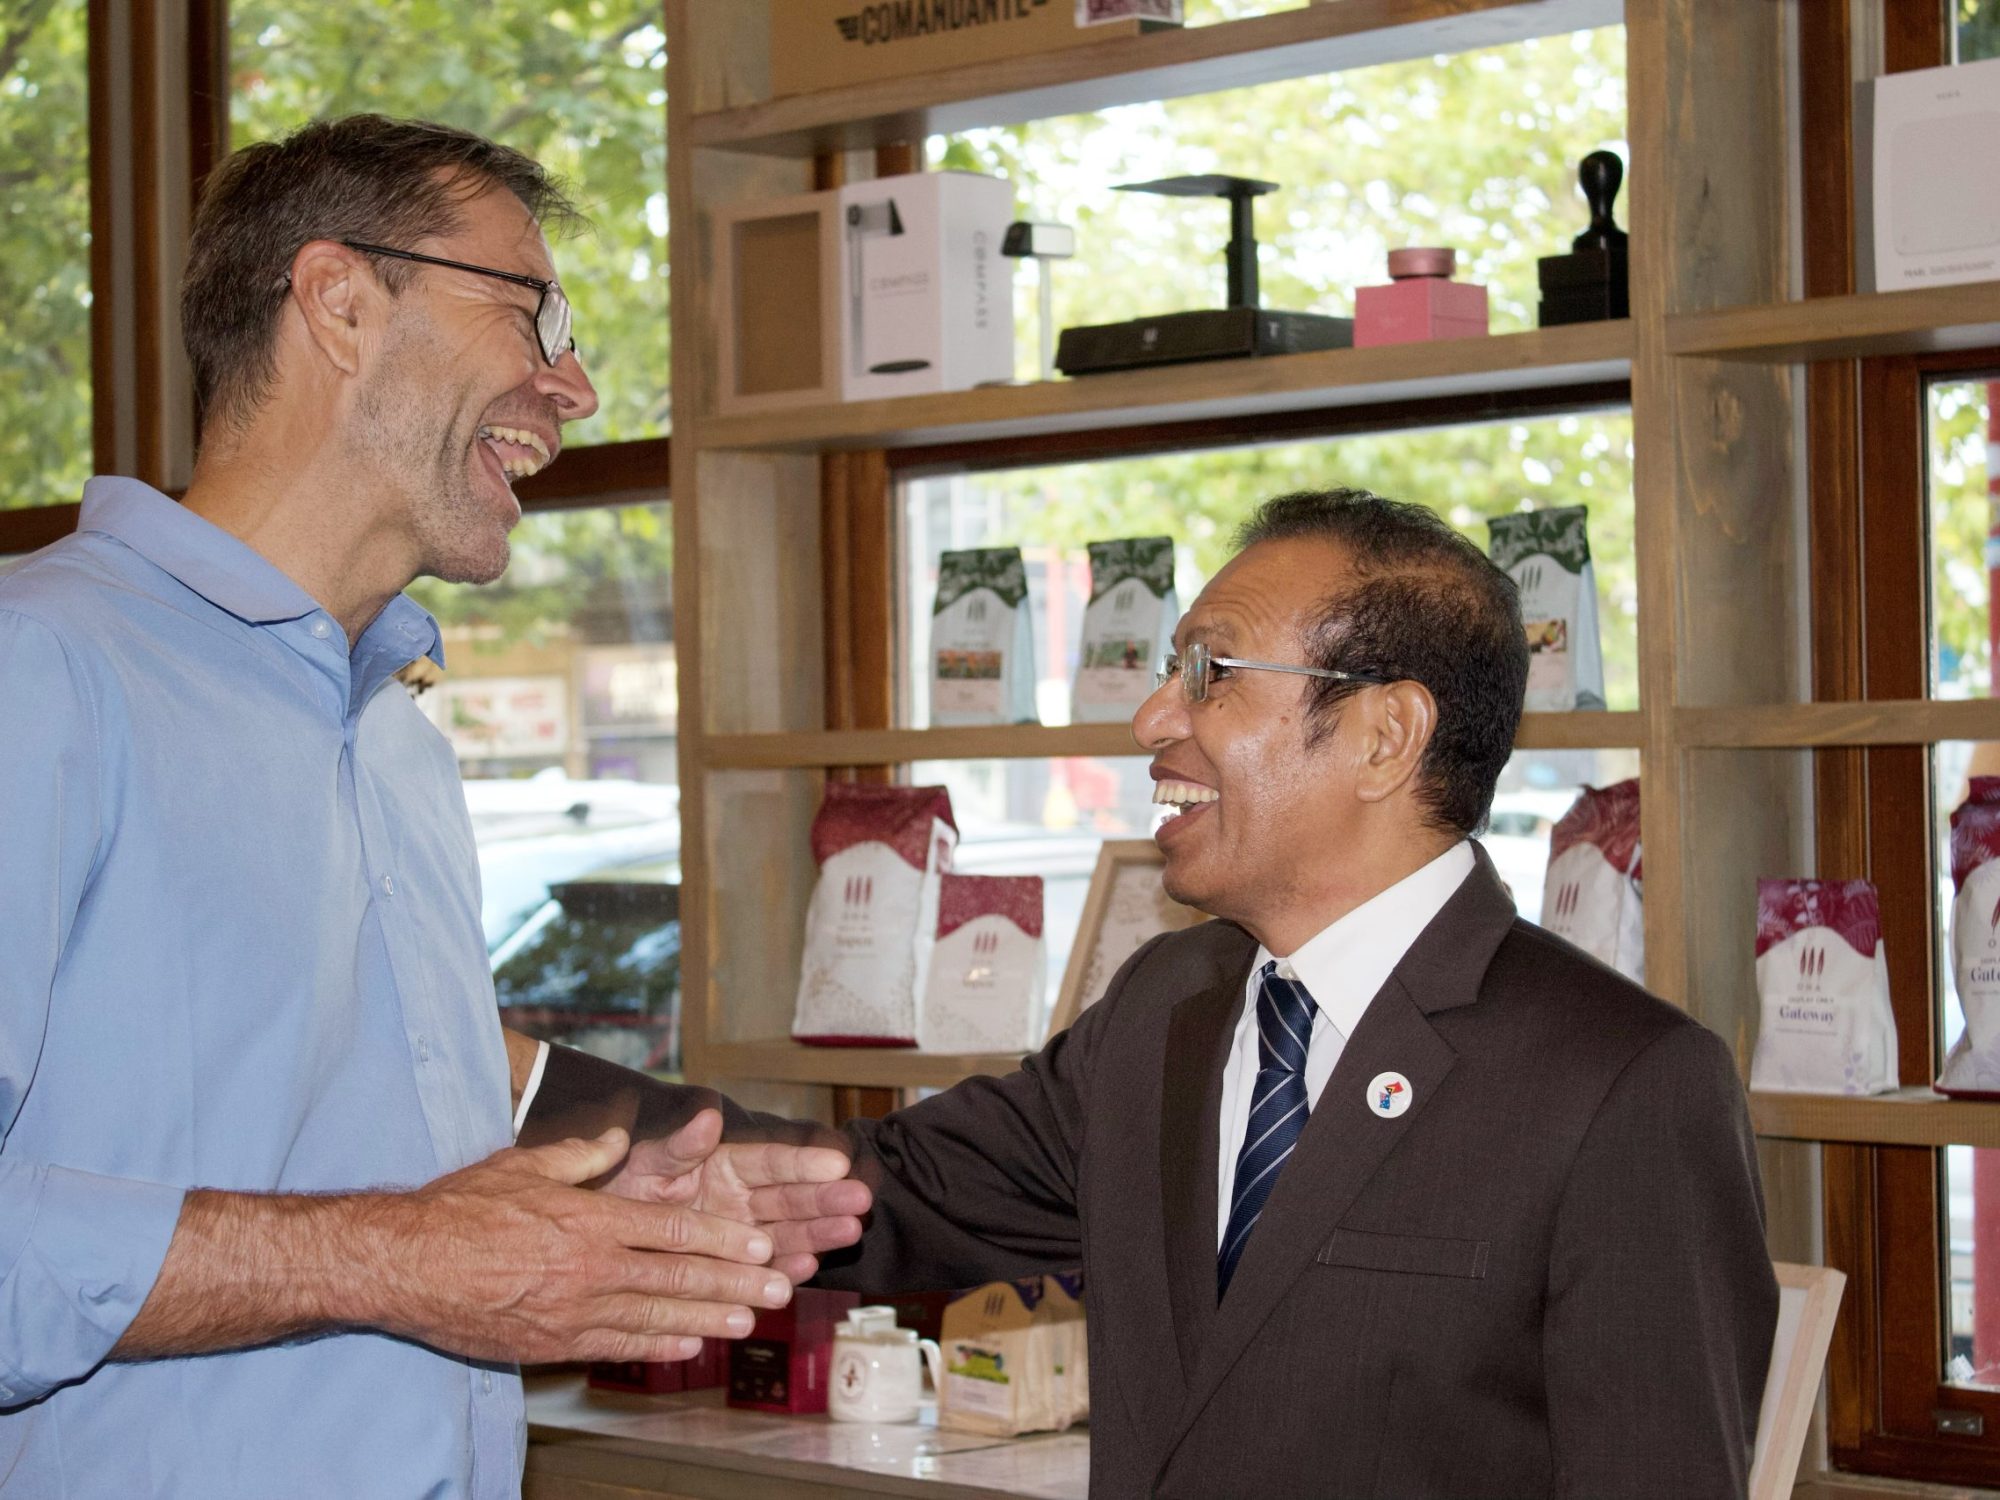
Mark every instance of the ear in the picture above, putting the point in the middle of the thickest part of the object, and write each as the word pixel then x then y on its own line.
pixel 1396 722
pixel 336 299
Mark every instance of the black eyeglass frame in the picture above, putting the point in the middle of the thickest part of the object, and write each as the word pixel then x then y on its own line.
pixel 1193 665
pixel 555 340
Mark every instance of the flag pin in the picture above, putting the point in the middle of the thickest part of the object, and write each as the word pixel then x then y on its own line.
pixel 1389 1094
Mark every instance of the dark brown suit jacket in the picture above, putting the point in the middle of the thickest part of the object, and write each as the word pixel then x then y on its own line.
pixel 1547 1277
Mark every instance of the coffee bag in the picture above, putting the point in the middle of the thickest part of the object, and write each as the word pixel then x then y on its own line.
pixel 1973 1066
pixel 882 851
pixel 982 650
pixel 988 978
pixel 1592 895
pixel 1547 554
pixel 1004 1346
pixel 1127 627
pixel 1823 986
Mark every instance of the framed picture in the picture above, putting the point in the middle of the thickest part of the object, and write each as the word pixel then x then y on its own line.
pixel 1126 906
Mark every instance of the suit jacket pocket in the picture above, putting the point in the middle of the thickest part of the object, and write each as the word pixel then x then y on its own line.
pixel 1412 1254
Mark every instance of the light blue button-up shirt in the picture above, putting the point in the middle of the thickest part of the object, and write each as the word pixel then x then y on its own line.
pixel 239 948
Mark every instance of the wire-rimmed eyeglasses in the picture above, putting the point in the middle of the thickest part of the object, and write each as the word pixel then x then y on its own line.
pixel 1196 667
pixel 552 312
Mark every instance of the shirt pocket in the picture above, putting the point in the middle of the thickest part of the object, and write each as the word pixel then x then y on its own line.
pixel 1410 1254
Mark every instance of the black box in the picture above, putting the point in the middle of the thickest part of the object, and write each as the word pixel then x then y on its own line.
pixel 1585 286
pixel 1214 333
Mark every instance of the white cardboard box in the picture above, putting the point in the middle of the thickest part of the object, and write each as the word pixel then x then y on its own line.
pixel 1935 183
pixel 926 298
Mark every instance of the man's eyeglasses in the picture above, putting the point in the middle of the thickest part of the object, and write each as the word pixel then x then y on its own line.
pixel 1196 667
pixel 552 314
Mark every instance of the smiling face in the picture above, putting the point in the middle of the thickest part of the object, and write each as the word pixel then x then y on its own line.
pixel 1263 812
pixel 460 402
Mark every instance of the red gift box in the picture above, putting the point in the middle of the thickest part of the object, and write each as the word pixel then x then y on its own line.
pixel 785 1363
pixel 1422 303
pixel 707 1369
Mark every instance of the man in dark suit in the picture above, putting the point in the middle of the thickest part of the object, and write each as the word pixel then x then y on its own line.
pixel 1378 1189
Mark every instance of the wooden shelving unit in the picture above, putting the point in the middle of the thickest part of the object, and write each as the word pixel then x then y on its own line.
pixel 1580 355
pixel 1163 65
pixel 1728 783
pixel 1908 1117
pixel 1922 321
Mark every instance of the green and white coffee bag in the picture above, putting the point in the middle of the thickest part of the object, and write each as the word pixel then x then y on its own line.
pixel 982 650
pixel 1127 627
pixel 1547 554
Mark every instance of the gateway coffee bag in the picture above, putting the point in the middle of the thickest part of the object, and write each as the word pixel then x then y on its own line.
pixel 1973 1066
pixel 1547 554
pixel 1127 627
pixel 1592 894
pixel 1823 986
pixel 882 852
pixel 1004 1347
pixel 988 977
pixel 982 650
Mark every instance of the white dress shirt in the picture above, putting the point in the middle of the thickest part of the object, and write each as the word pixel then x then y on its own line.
pixel 1341 966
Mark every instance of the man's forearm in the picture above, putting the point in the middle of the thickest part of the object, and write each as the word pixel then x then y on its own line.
pixel 521 1054
pixel 246 1269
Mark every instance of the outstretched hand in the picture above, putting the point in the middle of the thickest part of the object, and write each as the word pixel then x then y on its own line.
pixel 801 1195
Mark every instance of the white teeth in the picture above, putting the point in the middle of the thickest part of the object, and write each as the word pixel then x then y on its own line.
pixel 519 468
pixel 1182 793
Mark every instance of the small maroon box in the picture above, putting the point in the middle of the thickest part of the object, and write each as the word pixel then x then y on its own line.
pixel 1421 303
pixel 707 1369
pixel 785 1362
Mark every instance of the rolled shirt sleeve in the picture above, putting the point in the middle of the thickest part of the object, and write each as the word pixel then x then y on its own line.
pixel 78 1252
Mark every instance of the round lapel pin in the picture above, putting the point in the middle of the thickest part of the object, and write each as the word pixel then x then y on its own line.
pixel 1389 1094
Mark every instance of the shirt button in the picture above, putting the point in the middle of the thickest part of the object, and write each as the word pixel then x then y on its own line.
pixel 486 1381
pixel 1288 973
pixel 321 629
pixel 388 885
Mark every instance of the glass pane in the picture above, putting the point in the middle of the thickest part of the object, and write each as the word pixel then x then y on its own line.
pixel 1477 152
pixel 1468 474
pixel 1978 31
pixel 1536 789
pixel 560 700
pixel 581 87
pixel 45 420
pixel 1964 461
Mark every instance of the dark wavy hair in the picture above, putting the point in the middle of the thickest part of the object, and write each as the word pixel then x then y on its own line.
pixel 1426 606
pixel 364 177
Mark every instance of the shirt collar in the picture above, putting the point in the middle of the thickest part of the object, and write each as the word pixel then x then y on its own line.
pixel 1344 964
pixel 232 575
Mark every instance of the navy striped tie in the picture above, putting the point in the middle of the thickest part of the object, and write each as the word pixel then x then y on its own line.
pixel 1278 1110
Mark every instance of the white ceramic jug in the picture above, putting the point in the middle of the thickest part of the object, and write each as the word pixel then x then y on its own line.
pixel 877 1375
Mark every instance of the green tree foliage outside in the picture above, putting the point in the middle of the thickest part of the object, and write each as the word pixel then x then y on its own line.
pixel 1960 516
pixel 1477 152
pixel 45 432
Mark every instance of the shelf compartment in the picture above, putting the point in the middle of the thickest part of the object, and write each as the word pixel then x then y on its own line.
pixel 1160 65
pixel 1581 354
pixel 1804 726
pixel 785 1061
pixel 1920 321
pixel 889 747
pixel 1908 1117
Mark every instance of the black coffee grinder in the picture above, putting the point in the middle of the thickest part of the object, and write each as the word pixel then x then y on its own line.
pixel 1233 332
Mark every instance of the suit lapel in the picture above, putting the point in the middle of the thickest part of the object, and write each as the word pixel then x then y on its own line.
pixel 1198 1037
pixel 1345 1141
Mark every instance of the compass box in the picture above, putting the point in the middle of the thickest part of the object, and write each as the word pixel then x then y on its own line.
pixel 926 298
pixel 1935 184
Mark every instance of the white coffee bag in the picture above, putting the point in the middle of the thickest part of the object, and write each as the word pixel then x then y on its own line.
pixel 1973 1066
pixel 982 650
pixel 1823 986
pixel 1127 627
pixel 1592 894
pixel 1547 554
pixel 882 851
pixel 988 975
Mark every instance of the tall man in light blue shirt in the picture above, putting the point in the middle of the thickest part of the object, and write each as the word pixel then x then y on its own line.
pixel 261 1231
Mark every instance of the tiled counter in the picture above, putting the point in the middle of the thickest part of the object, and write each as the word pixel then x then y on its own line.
pixel 591 1445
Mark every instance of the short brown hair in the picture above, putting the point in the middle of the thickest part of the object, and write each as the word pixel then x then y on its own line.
pixel 364 177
